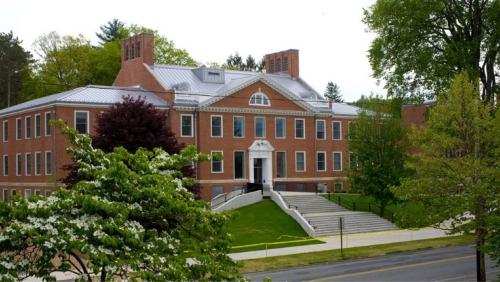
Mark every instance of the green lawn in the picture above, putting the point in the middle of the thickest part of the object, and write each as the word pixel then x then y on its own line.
pixel 264 225
pixel 404 215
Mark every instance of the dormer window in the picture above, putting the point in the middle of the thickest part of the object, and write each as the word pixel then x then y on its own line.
pixel 259 99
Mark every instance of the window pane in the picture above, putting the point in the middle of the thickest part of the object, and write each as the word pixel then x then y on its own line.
pixel 336 130
pixel 320 129
pixel 280 164
pixel 320 161
pixel 28 127
pixel 48 129
pixel 260 127
pixel 81 122
pixel 38 121
pixel 187 125
pixel 216 126
pixel 38 164
pixel 19 164
pixel 19 128
pixel 216 161
pixel 338 187
pixel 239 165
pixel 337 161
pixel 28 164
pixel 48 163
pixel 299 128
pixel 6 165
pixel 300 161
pixel 238 127
pixel 280 127
pixel 5 131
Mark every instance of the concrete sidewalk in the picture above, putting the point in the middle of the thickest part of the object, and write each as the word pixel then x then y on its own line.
pixel 351 240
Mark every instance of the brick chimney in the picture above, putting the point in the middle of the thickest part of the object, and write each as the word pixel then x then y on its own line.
pixel 283 62
pixel 138 48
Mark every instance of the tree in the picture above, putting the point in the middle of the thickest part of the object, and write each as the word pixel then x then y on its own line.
pixel 235 62
pixel 113 30
pixel 14 65
pixel 378 144
pixel 456 169
pixel 421 46
pixel 133 220
pixel 332 92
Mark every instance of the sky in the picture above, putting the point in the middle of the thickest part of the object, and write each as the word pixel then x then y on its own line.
pixel 331 38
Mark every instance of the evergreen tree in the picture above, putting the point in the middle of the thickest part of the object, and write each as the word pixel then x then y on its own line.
pixel 112 31
pixel 332 92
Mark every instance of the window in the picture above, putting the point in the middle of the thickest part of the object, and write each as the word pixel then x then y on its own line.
pixel 138 49
pixel 38 192
pixel 38 126
pixel 239 165
pixel 338 187
pixel 238 126
pixel 299 128
pixel 321 161
pixel 48 128
pixel 38 163
pixel 337 161
pixel 27 193
pixel 27 164
pixel 216 126
pixel 48 193
pixel 337 130
pixel 280 164
pixel 5 165
pixel 217 162
pixel 353 161
pixel 27 125
pixel 285 64
pixel 259 99
pixel 351 130
pixel 300 161
pixel 19 164
pixel 5 195
pixel 13 193
pixel 320 129
pixel 19 128
pixel 278 65
pixel 5 131
pixel 280 124
pixel 187 125
pixel 82 122
pixel 48 163
pixel 260 127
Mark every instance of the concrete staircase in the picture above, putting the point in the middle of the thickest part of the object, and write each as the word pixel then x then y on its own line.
pixel 325 215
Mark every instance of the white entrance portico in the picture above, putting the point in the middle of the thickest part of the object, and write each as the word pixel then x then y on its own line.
pixel 260 163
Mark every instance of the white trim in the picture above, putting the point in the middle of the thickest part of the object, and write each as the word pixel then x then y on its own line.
pixel 305 162
pixel 333 130
pixel 88 119
pixel 326 166
pixel 263 98
pixel 333 161
pixel 221 161
pixel 3 165
pixel 46 125
pixel 3 130
pixel 243 129
pixel 255 126
pixel 286 163
pixel 221 126
pixel 3 194
pixel 244 167
pixel 19 121
pixel 36 166
pixel 276 127
pixel 192 125
pixel 26 164
pixel 26 127
pixel 51 162
pixel 19 155
pixel 316 129
pixel 303 129
pixel 34 127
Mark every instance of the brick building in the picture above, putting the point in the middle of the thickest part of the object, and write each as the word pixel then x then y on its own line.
pixel 271 128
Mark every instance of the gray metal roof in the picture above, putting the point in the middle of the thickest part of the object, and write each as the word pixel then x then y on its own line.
pixel 91 94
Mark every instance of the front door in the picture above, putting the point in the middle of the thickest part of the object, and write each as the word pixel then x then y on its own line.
pixel 257 171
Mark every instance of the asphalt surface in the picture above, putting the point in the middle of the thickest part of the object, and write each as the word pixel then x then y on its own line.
pixel 445 264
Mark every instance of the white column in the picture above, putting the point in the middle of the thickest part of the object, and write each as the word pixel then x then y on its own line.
pixel 251 178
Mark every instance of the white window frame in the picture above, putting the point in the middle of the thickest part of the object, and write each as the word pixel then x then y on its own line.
pixel 46 162
pixel 3 165
pixel 296 162
pixel 5 122
pixel 243 129
pixel 262 98
pixel 276 127
pixel 286 164
pixel 26 196
pixel 341 186
pixel 26 164
pixel 36 166
pixel 221 161
pixel 333 130
pixel 4 190
pixel 88 120
pixel 324 129
pixel 19 121
pixel 26 127
pixel 341 161
pixel 326 161
pixel 221 126
pixel 244 166
pixel 34 127
pixel 192 125
pixel 303 129
pixel 19 156
pixel 46 123
pixel 255 127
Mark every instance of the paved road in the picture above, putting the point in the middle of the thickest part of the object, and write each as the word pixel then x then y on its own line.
pixel 446 264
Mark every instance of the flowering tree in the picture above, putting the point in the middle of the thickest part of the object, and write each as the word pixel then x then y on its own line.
pixel 133 220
